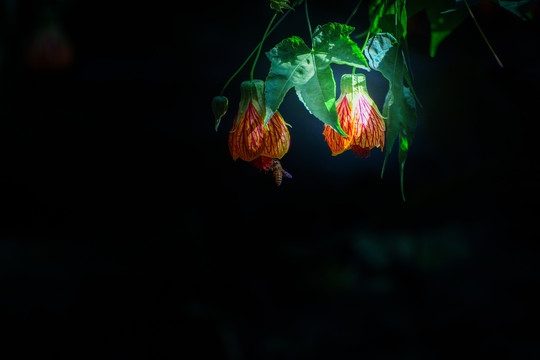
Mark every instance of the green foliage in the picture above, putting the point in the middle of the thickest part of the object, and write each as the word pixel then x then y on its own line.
pixel 386 52
pixel 520 8
pixel 385 55
pixel 294 64
pixel 291 66
pixel 388 16
pixel 442 23
pixel 279 5
pixel 333 43
pixel 446 15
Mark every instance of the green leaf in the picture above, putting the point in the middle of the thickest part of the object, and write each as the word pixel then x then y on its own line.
pixel 385 55
pixel 520 8
pixel 319 94
pixel 388 17
pixel 333 40
pixel 400 113
pixel 279 5
pixel 442 24
pixel 403 150
pixel 291 66
pixel 377 48
pixel 416 6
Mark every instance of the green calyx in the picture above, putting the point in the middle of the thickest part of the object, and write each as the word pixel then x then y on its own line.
pixel 353 84
pixel 252 91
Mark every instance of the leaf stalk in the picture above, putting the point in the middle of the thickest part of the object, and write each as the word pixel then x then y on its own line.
pixel 261 44
pixel 353 12
pixel 308 23
pixel 482 33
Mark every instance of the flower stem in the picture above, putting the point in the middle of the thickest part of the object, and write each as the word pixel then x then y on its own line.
pixel 483 35
pixel 252 53
pixel 353 12
pixel 261 44
pixel 308 23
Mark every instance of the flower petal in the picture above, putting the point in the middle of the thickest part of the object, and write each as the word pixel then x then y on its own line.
pixel 277 140
pixel 346 117
pixel 246 136
pixel 369 130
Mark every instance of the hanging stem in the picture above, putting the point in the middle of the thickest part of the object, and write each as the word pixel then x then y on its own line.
pixel 261 44
pixel 353 12
pixel 309 23
pixel 252 53
pixel 483 35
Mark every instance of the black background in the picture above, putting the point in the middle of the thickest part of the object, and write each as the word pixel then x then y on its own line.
pixel 127 231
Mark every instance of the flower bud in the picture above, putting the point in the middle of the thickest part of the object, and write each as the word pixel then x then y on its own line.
pixel 219 108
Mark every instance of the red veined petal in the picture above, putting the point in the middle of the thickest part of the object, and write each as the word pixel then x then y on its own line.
pixel 346 117
pixel 277 140
pixel 246 136
pixel 370 128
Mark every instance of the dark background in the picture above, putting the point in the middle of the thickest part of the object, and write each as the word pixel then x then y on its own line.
pixel 127 231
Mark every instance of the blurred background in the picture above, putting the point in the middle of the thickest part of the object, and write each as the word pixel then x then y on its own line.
pixel 127 231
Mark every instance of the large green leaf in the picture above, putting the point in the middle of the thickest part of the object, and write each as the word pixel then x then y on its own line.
pixel 385 55
pixel 520 8
pixel 388 17
pixel 376 50
pixel 319 94
pixel 401 123
pixel 293 64
pixel 442 23
pixel 444 16
pixel 333 41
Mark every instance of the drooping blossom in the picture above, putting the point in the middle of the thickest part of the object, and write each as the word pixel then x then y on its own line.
pixel 359 118
pixel 249 138
pixel 248 130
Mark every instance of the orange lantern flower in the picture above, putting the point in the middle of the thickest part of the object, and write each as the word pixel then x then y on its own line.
pixel 249 138
pixel 359 118
pixel 246 135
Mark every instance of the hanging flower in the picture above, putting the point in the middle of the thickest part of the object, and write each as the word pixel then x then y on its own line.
pixel 246 135
pixel 249 138
pixel 358 117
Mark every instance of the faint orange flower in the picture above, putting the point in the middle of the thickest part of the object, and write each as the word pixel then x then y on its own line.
pixel 359 118
pixel 249 138
pixel 246 135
